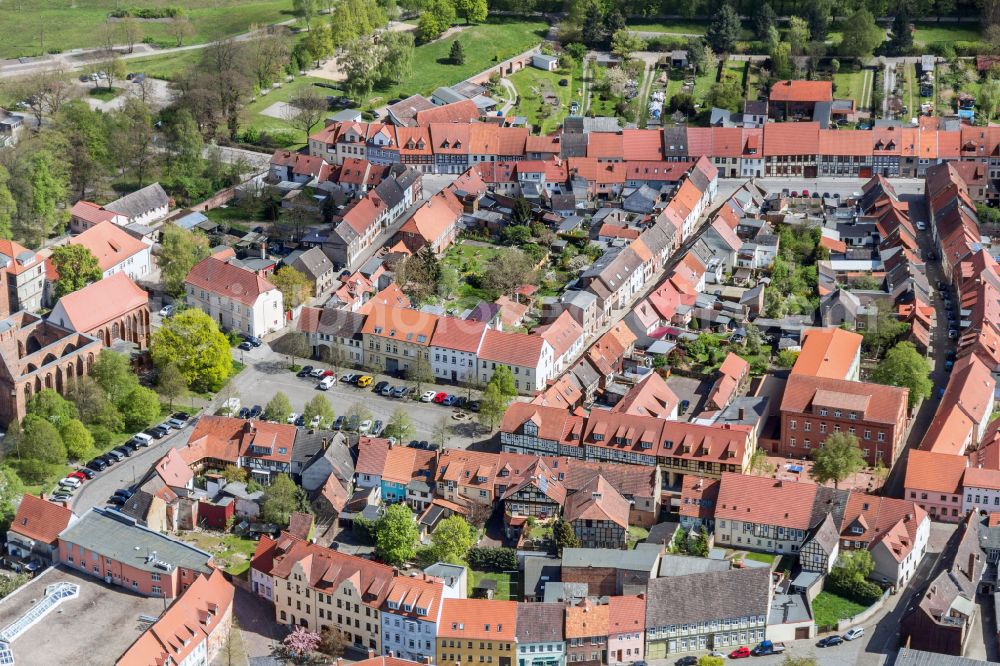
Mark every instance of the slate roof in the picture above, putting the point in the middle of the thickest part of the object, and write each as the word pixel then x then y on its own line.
pixel 539 623
pixel 313 263
pixel 140 202
pixel 704 597
pixel 642 558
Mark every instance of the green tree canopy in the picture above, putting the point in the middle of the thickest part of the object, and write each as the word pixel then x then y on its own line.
pixel 396 535
pixel 191 340
pixel 11 490
pixel 77 267
pixel 40 441
pixel 179 251
pixel 113 373
pixel 319 406
pixel 278 408
pixel 139 407
pixel 399 425
pixel 504 380
pixel 293 285
pixel 52 407
pixel 452 539
pixel 837 458
pixel 457 53
pixel 564 536
pixel 171 383
pixel 904 366
pixel 724 31
pixel 281 499
pixel 861 35
pixel 77 439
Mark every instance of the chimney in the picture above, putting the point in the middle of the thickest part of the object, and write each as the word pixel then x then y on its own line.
pixel 371 653
pixel 395 572
pixel 326 443
pixel 972 567
pixel 742 413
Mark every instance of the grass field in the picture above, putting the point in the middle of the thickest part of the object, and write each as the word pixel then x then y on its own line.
pixel 679 27
pixel 702 84
pixel 102 93
pixel 851 84
pixel 485 45
pixel 911 89
pixel 767 558
pixel 283 94
pixel 65 24
pixel 532 85
pixel 829 608
pixel 931 34
pixel 504 591
pixel 232 552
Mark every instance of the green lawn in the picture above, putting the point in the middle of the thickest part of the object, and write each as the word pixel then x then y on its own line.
pixel 636 535
pixel 102 93
pixel 767 558
pixel 852 85
pixel 232 552
pixel 167 66
pixel 702 84
pixel 911 89
pixel 503 583
pixel 468 260
pixel 64 24
pixel 829 608
pixel 532 86
pixel 676 27
pixel 485 45
pixel 296 138
pixel 937 33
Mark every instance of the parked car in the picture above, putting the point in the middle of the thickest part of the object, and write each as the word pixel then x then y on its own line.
pixel 176 423
pixel 740 653
pixel 768 647
pixel 117 501
pixel 314 422
pixel 253 340
pixel 352 423
pixel 338 423
pixel 245 346
pixel 77 474
pixel 256 411
pixel 115 455
pixel 399 391
pixel 952 333
pixel 349 378
pixel 377 428
pixel 830 641
pixel 61 495
pixel 449 400
pixel 379 387
pixel 167 310
pixel 330 373
pixel 71 482
pixel 689 660
pixel 365 427
pixel 306 369
pixel 293 417
pixel 301 421
pixel 365 381
pixel 386 390
pixel 439 397
pixel 474 405
pixel 428 396
pixel 98 465
pixel 155 433
pixel 142 439
pixel 460 401
pixel 326 383
pixel 124 451
pixel 921 225
pixel 854 633
pixel 316 372
pixel 948 365
pixel 685 404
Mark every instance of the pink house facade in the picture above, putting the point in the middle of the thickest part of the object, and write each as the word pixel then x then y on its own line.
pixel 626 634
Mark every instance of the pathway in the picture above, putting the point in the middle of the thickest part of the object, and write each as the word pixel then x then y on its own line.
pixel 511 89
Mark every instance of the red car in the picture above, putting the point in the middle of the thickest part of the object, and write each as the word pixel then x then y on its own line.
pixel 740 652
pixel 78 475
pixel 330 373
pixel 439 398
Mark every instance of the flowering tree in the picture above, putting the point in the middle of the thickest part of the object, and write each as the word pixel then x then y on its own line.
pixel 301 642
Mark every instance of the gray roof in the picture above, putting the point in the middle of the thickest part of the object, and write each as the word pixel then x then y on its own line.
pixel 238 489
pixel 908 657
pixel 684 565
pixel 340 323
pixel 642 558
pixel 540 622
pixel 137 505
pixel 541 57
pixel 445 571
pixel 448 95
pixel 140 202
pixel 565 592
pixel 538 568
pixel 788 609
pixel 313 263
pixel 113 535
pixel 825 534
pixel 309 443
pixel 704 597
pixel 585 373
pixel 391 192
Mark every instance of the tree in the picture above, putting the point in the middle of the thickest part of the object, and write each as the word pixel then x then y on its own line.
pixel 724 31
pixel 420 372
pixel 140 408
pixel 511 268
pixel 301 642
pixel 39 183
pixel 818 16
pixel 217 89
pixel 521 213
pixel 278 408
pixel 798 34
pixel 234 474
pixel 902 36
pixel 76 266
pixel 473 11
pixel 305 9
pixel 132 132
pixel 593 25
pixel 179 251
pixel 837 458
pixel 441 432
pixel 700 545
pixel 93 405
pixel 113 373
pixel 281 499
pixel 904 366
pixel 861 35
pixel 763 20
pixel 11 491
pixel 77 439
pixel 293 285
pixel 305 110
pixel 624 43
pixel 855 564
pixel 191 340
pixel 7 205
pixel 696 54
pixel 400 425
pixel 52 407
pixel 40 443
pixel 318 406
pixel 437 16
pixel 332 642
pixel 180 29
pixel 397 60
pixel 359 411
pixel 492 406
pixel 452 539
pixel 360 61
pixel 396 535
pixel 759 464
pixel 504 380
pixel 457 54
pixel 131 32
pixel 564 536
pixel 709 660
pixel 171 383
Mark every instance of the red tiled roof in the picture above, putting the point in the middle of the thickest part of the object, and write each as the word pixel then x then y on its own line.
pixel 827 352
pixel 402 324
pixel 627 614
pixel 461 112
pixel 91 212
pixel 478 619
pixel 228 281
pixel 598 500
pixel 100 302
pixel 562 334
pixel 759 499
pixel 40 520
pixel 802 91
pixel 876 403
pixel 109 243
pixel 516 349
pixel 791 139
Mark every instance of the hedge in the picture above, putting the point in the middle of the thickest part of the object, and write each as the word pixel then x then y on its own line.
pixel 492 559
pixel 148 12
pixel 856 589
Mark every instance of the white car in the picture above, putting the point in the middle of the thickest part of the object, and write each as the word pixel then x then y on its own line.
pixel 318 372
pixel 314 423
pixel 853 633
pixel 70 482
pixel 292 417
pixel 326 383
pixel 365 426
pixel 167 310
pixel 428 396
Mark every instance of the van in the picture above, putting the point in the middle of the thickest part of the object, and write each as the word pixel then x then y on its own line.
pixel 326 383
pixel 142 439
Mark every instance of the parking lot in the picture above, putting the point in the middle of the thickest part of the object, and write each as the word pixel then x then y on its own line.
pixel 267 373
pixel 96 627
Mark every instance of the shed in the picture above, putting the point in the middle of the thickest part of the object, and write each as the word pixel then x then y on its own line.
pixel 546 62
pixel 679 59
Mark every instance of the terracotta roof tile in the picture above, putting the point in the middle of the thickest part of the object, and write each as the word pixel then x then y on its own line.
pixel 478 619
pixel 40 519
pixel 228 281
pixel 764 500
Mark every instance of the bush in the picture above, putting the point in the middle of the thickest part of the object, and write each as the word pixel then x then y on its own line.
pixel 147 12
pixel 856 589
pixel 662 44
pixel 364 530
pixel 492 559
